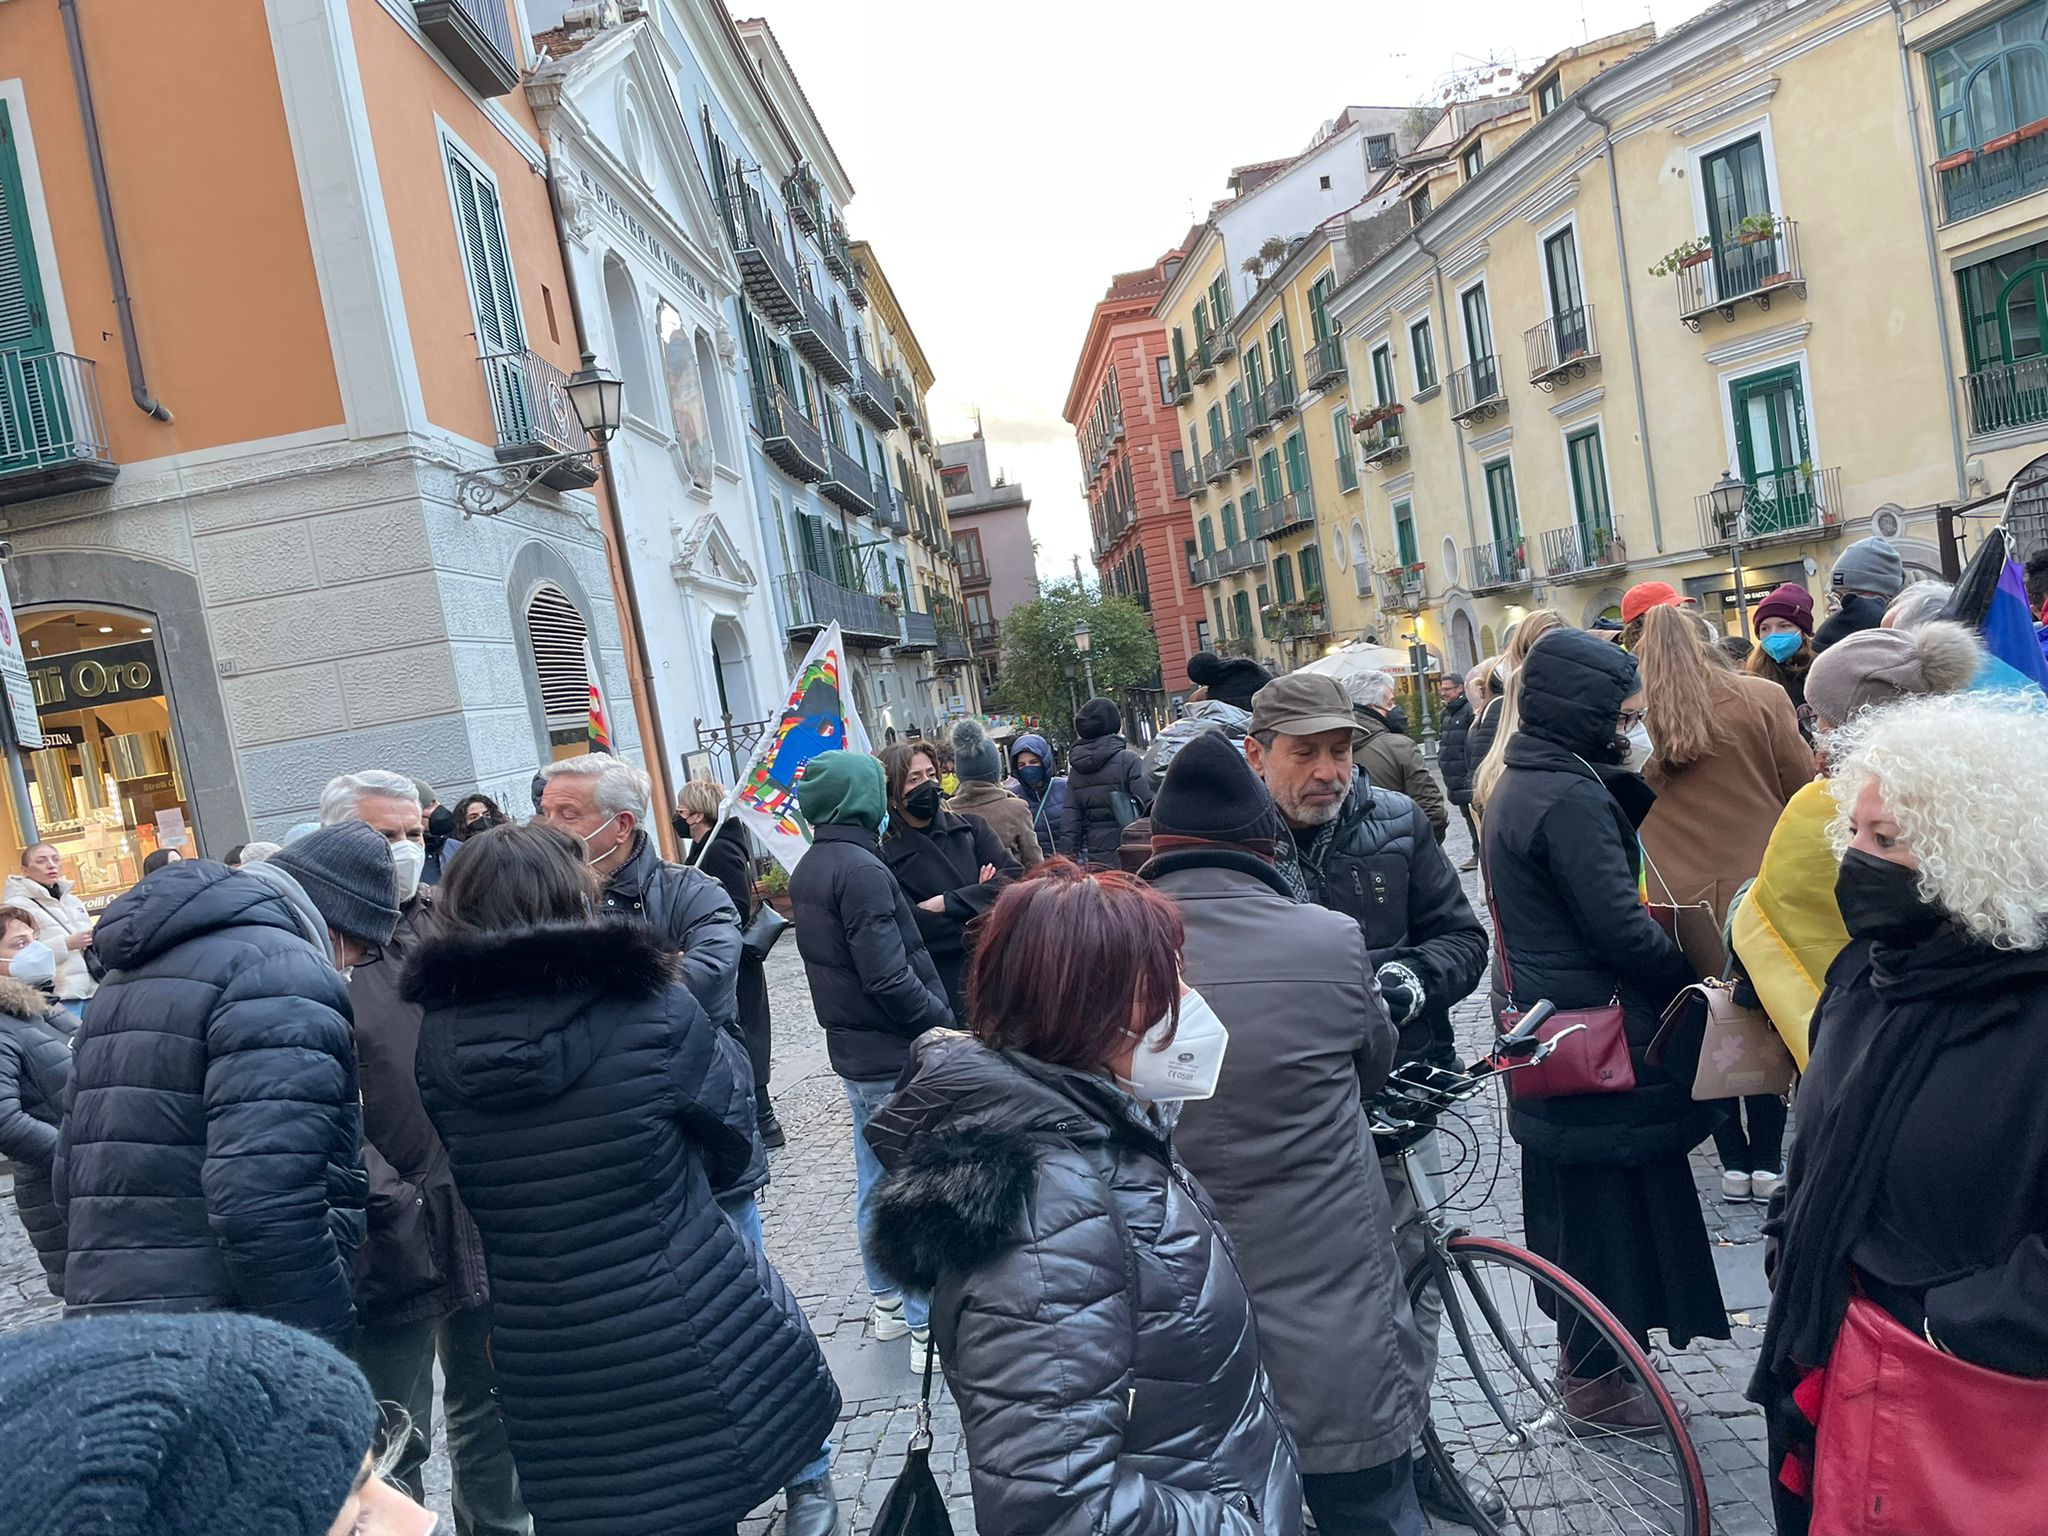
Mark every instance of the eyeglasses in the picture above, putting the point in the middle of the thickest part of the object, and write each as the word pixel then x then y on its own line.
pixel 1629 717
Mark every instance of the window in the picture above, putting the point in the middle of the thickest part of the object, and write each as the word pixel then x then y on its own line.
pixel 1323 183
pixel 480 224
pixel 1567 296
pixel 1180 351
pixel 1241 614
pixel 1589 481
pixel 1222 622
pixel 1207 535
pixel 967 554
pixel 1991 82
pixel 1215 428
pixel 957 480
pixel 1297 462
pixel 1194 453
pixel 1254 364
pixel 1500 504
pixel 1265 597
pixel 1478 325
pixel 1201 634
pixel 1340 434
pixel 1219 299
pixel 1283 578
pixel 1404 532
pixel 1549 96
pixel 1269 473
pixel 1422 354
pixel 1383 375
pixel 559 642
pixel 1418 207
pixel 1319 304
pixel 1735 184
pixel 2003 302
pixel 1164 367
pixel 1201 319
pixel 1283 358
pixel 1230 538
pixel 1471 160
pixel 1235 401
pixel 1250 507
pixel 1771 442
pixel 1310 560
pixel 1379 151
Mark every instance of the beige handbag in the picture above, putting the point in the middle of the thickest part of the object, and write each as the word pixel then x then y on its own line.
pixel 1719 1049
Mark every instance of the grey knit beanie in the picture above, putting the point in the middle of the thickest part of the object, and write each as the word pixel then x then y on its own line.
pixel 1876 667
pixel 346 872
pixel 1869 565
pixel 203 1424
pixel 974 753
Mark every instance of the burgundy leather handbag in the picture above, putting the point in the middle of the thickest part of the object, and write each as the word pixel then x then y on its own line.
pixel 1592 1058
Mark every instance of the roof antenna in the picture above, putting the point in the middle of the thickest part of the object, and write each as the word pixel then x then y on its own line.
pixel 977 421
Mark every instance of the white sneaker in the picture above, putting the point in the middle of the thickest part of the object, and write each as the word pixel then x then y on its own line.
pixel 886 1318
pixel 921 1351
pixel 1764 1185
pixel 1736 1187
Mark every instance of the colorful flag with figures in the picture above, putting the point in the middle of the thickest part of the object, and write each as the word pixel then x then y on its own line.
pixel 817 717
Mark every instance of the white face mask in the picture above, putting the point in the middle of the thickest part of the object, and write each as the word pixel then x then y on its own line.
pixel 1640 747
pixel 35 963
pixel 1188 1067
pixel 592 833
pixel 408 862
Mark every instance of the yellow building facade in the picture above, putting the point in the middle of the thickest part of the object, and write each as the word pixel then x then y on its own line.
pixel 1670 266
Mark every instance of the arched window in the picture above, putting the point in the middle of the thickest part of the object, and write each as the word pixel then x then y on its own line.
pixel 1359 552
pixel 560 642
pixel 1991 82
pixel 629 337
pixel 710 381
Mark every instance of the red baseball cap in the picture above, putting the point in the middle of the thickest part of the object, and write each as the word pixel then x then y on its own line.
pixel 1645 595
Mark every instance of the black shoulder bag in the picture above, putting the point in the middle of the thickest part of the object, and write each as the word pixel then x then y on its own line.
pixel 915 1506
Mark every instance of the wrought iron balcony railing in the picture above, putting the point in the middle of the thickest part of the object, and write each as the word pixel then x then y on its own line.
pixel 1405 587
pixel 2007 395
pixel 1476 391
pixel 1322 360
pixel 821 338
pixel 1577 552
pixel 1503 563
pixel 1297 509
pixel 1752 266
pixel 788 436
pixel 1798 503
pixel 847 482
pixel 1296 621
pixel 53 437
pixel 761 247
pixel 476 37
pixel 1565 344
pixel 815 601
pixel 1382 441
pixel 872 395
pixel 2009 167
pixel 531 415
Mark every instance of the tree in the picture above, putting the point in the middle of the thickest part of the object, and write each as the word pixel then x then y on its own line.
pixel 1038 645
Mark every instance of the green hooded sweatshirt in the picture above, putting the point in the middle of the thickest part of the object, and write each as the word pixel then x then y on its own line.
pixel 843 789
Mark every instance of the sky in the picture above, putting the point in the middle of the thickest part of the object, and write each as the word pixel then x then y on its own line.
pixel 1008 159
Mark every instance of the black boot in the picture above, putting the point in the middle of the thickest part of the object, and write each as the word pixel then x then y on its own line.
pixel 1442 1503
pixel 764 1117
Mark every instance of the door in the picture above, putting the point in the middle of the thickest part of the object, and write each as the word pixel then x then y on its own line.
pixel 35 421
pixel 2021 304
pixel 1567 296
pixel 1736 188
pixel 1773 451
pixel 1479 344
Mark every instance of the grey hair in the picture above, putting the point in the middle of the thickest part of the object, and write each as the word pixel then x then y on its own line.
pixel 1921 603
pixel 1369 688
pixel 256 853
pixel 618 788
pixel 338 799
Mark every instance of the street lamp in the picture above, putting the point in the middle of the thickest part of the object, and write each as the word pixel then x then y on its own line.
pixel 595 396
pixel 1726 500
pixel 1073 703
pixel 1081 643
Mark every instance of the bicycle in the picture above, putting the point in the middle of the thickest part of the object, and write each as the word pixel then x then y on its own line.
pixel 1606 1450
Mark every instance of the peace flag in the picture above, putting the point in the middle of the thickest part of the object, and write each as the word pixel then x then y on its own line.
pixel 818 717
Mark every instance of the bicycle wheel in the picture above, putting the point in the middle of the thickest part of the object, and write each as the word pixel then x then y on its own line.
pixel 1502 1420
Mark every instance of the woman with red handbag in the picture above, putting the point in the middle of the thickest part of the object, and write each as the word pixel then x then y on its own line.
pixel 1905 1365
pixel 1606 1188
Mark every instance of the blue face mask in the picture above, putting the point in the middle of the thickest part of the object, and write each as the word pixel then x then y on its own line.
pixel 1031 774
pixel 883 829
pixel 1784 645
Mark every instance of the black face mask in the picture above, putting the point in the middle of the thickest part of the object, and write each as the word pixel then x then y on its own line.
pixel 923 801
pixel 1881 901
pixel 441 823
pixel 681 824
pixel 1397 720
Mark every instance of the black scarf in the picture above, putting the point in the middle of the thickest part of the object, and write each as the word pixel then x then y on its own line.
pixel 1925 998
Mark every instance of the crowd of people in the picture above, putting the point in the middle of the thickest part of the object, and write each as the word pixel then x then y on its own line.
pixel 429 1100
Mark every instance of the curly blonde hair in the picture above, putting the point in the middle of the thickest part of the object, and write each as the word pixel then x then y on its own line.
pixel 1965 776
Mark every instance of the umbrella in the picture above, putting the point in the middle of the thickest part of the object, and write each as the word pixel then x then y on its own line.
pixel 1356 657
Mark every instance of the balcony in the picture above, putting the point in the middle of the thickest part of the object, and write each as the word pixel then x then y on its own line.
pixel 1579 553
pixel 920 632
pixel 1382 441
pixel 819 336
pixel 1563 346
pixel 1179 463
pixel 838 254
pixel 1260 423
pixel 1476 392
pixel 985 637
pixel 1296 621
pixel 1496 567
pixel 476 37
pixel 767 271
pixel 1223 343
pixel 1183 385
pixel 2008 395
pixel 1247 556
pixel 1347 470
pixel 1405 587
pixel 1280 397
pixel 1202 570
pixel 909 411
pixel 889 509
pixel 801 195
pixel 873 395
pixel 1212 467
pixel 1787 505
pixel 1322 362
pixel 789 437
pixel 816 601
pixel 531 415
pixel 2009 167
pixel 848 483
pixel 1297 509
pixel 1756 265
pixel 53 438
pixel 1203 363
pixel 1234 454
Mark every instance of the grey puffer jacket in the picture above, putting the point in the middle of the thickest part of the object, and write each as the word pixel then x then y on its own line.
pixel 1197 719
pixel 1091 1317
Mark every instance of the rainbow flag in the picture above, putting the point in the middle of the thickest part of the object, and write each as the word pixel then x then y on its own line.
pixel 600 731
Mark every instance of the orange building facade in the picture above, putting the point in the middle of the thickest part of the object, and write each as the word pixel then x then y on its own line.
pixel 344 292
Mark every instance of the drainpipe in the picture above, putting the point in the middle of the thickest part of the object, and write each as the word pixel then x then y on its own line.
pixel 640 675
pixel 1948 360
pixel 124 306
pixel 1628 316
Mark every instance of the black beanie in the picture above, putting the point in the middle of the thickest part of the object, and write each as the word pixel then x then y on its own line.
pixel 1210 792
pixel 1098 717
pixel 202 1424
pixel 1229 679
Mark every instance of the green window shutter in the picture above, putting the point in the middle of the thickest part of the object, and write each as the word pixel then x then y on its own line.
pixel 1589 482
pixel 1208 536
pixel 1318 305
pixel 1404 532
pixel 1236 402
pixel 1283 578
pixel 1241 611
pixel 1180 351
pixel 1215 426
pixel 1254 376
pixel 1269 473
pixel 1297 462
pixel 1311 562
pixel 1230 525
pixel 24 322
pixel 1283 359
pixel 1383 375
pixel 1501 505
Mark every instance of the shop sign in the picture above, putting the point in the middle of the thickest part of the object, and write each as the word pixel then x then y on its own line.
pixel 109 674
pixel 21 698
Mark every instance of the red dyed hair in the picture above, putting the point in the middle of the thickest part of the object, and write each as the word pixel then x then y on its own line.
pixel 1067 961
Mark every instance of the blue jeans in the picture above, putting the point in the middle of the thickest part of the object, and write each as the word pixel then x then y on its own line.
pixel 865 1096
pixel 745 1214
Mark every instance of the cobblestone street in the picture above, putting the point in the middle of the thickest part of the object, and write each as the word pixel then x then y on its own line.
pixel 810 1226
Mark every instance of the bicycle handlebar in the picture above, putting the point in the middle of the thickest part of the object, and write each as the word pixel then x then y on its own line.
pixel 1521 1040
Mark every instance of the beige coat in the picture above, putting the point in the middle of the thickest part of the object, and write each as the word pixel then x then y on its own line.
pixel 57 918
pixel 1006 814
pixel 1713 818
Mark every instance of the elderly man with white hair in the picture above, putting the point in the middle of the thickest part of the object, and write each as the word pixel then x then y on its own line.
pixel 1387 756
pixel 421 1286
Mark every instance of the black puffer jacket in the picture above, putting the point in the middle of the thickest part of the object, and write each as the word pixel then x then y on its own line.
pixel 35 1067
pixel 1380 864
pixel 211 1154
pixel 422 1257
pixel 1480 734
pixel 1454 754
pixel 874 987
pixel 945 859
pixel 654 1373
pixel 693 917
pixel 1093 1325
pixel 1564 861
pixel 1096 769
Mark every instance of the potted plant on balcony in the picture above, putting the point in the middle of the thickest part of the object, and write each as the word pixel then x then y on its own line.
pixel 1687 253
pixel 1757 228
pixel 891 599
